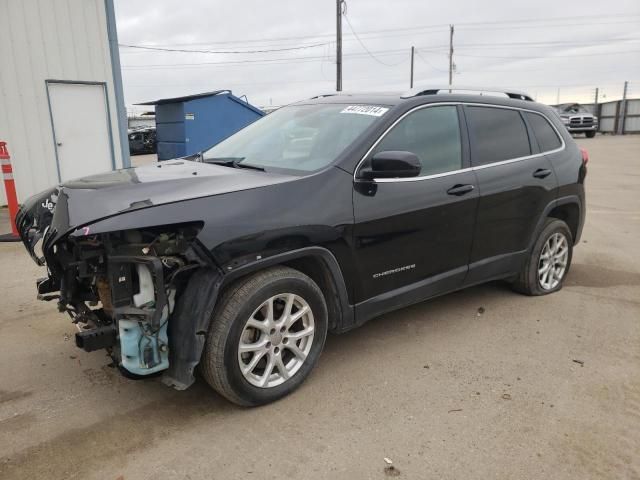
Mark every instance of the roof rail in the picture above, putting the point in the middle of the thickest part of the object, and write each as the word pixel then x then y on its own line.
pixel 431 90
pixel 324 95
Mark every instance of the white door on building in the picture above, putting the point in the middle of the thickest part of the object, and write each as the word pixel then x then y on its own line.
pixel 81 129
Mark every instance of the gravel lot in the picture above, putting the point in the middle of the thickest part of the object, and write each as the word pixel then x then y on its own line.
pixel 539 388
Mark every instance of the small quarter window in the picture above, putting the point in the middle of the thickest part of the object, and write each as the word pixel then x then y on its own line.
pixel 545 134
pixel 433 134
pixel 498 134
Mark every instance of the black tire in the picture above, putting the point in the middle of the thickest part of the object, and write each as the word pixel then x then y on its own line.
pixel 590 134
pixel 527 281
pixel 219 364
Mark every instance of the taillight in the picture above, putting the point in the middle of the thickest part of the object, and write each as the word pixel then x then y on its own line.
pixel 585 156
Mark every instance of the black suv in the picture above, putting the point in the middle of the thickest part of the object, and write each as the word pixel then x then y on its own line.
pixel 314 219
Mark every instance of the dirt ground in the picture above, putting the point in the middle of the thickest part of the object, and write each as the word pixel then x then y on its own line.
pixel 533 388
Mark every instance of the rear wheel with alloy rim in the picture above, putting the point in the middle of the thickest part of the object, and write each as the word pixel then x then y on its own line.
pixel 552 263
pixel 549 260
pixel 266 335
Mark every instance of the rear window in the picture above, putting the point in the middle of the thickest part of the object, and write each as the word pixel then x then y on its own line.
pixel 498 134
pixel 545 134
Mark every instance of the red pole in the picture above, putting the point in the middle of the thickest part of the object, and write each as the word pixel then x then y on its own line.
pixel 9 186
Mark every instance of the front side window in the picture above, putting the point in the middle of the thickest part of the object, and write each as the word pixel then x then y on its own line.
pixel 433 134
pixel 497 134
pixel 545 134
pixel 298 138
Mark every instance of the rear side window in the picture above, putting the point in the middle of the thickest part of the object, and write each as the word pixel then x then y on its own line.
pixel 498 134
pixel 433 134
pixel 545 134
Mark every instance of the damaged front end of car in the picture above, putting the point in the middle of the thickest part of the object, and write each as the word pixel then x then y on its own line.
pixel 125 290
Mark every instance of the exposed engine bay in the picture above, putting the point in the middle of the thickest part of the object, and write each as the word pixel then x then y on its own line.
pixel 120 289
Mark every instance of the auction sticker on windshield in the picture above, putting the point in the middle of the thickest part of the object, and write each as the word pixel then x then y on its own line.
pixel 372 110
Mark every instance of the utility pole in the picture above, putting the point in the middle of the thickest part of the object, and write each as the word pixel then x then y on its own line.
pixel 450 55
pixel 339 45
pixel 623 109
pixel 411 78
pixel 558 97
pixel 595 104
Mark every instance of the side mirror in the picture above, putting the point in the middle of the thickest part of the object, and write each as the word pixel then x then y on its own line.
pixel 392 164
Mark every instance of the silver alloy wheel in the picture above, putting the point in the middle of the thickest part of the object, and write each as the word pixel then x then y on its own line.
pixel 276 340
pixel 552 264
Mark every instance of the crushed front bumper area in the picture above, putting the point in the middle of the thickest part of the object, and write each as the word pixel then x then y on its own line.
pixel 128 293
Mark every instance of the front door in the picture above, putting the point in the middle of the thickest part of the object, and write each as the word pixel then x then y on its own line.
pixel 80 128
pixel 413 236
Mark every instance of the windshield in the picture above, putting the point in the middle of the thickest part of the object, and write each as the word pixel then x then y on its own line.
pixel 300 138
pixel 572 108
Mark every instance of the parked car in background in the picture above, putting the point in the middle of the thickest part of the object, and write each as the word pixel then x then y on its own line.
pixel 577 119
pixel 313 219
pixel 142 140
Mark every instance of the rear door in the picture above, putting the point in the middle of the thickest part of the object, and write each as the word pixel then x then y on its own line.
pixel 516 183
pixel 413 235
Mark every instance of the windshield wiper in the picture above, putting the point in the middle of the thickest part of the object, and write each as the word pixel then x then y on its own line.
pixel 234 162
pixel 227 161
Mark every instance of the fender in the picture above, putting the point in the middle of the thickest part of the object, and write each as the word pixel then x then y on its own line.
pixel 344 312
pixel 194 310
pixel 575 199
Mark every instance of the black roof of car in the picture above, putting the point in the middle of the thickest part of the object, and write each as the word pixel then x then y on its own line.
pixel 492 96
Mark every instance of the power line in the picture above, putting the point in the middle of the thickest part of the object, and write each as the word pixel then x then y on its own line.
pixel 552 43
pixel 532 44
pixel 365 47
pixel 270 61
pixel 443 27
pixel 530 57
pixel 182 50
pixel 379 53
pixel 429 63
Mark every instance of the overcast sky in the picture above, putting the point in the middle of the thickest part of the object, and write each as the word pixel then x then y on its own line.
pixel 537 46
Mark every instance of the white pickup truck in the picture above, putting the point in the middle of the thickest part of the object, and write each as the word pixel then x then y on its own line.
pixel 578 119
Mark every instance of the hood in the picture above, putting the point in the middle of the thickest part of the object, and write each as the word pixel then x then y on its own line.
pixel 79 202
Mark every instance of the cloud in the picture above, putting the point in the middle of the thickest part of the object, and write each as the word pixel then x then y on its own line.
pixel 497 43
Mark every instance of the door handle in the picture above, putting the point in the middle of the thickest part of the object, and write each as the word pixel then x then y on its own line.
pixel 459 189
pixel 542 173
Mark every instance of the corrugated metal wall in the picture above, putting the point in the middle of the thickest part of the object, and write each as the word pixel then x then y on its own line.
pixel 632 120
pixel 40 40
pixel 610 115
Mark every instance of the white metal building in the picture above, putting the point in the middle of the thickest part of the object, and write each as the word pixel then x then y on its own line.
pixel 62 111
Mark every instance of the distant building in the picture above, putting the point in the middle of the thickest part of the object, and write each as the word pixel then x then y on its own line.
pixel 187 125
pixel 147 119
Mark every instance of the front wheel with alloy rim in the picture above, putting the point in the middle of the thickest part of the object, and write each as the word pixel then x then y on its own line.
pixel 266 335
pixel 549 260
